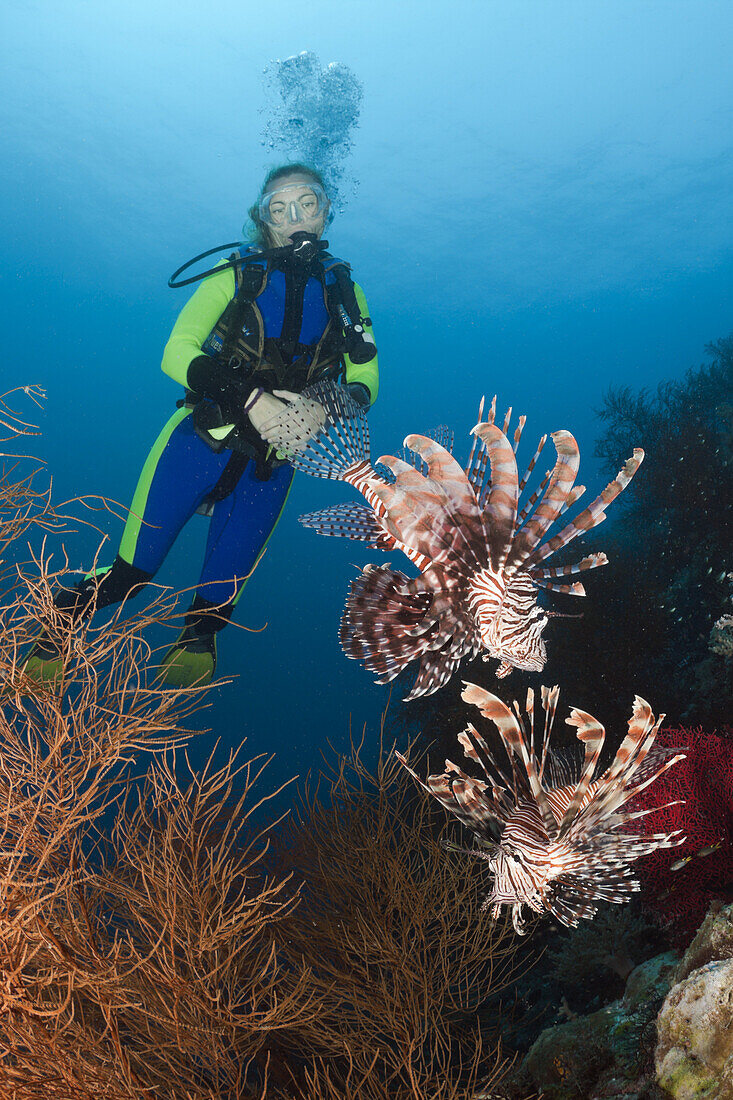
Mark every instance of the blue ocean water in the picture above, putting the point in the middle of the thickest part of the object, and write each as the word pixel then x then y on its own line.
pixel 536 202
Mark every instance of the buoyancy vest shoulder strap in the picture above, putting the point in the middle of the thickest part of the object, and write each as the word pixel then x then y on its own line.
pixel 250 280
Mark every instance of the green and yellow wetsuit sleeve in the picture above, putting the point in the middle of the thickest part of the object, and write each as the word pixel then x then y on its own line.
pixel 366 373
pixel 195 322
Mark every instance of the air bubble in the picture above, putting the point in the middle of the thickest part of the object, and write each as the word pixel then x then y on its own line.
pixel 312 112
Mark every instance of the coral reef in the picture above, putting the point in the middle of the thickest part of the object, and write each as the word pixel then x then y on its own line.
pixel 696 797
pixel 695 1051
pixel 721 636
pixel 608 1053
pixel 670 1034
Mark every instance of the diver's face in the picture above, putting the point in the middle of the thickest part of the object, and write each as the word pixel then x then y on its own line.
pixel 294 204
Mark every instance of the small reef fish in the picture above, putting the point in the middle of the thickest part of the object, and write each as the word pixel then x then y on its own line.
pixel 553 843
pixel 482 559
pixel 701 853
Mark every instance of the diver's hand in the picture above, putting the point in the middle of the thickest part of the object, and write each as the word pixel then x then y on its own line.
pixel 288 420
pixel 262 407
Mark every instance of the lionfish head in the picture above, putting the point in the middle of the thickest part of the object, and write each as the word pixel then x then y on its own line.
pixel 511 626
pixel 515 886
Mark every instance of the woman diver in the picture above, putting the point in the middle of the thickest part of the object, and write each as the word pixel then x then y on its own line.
pixel 262 325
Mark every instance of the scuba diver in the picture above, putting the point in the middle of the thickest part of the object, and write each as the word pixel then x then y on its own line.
pixel 274 317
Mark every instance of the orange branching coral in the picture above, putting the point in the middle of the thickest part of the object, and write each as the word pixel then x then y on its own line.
pixel 137 954
pixel 400 954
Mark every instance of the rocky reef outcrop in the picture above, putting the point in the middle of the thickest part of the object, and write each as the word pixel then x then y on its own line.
pixel 694 1053
pixel 669 1035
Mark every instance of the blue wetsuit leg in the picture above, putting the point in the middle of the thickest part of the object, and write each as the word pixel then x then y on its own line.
pixel 240 527
pixel 169 491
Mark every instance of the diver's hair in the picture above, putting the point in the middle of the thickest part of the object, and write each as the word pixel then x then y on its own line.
pixel 262 235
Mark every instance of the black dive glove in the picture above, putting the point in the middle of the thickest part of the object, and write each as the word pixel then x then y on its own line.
pixel 209 377
pixel 359 393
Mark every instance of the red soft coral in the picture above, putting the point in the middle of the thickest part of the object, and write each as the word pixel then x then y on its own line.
pixel 704 782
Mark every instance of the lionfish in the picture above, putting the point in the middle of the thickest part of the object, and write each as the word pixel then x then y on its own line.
pixel 555 841
pixel 480 558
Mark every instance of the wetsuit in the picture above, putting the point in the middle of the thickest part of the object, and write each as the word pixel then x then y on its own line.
pixel 228 472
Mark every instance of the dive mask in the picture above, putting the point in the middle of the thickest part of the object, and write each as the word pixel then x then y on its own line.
pixel 303 204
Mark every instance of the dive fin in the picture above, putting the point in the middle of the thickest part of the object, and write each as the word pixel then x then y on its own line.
pixel 191 661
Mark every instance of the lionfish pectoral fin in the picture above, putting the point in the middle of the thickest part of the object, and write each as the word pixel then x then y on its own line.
pixel 323 432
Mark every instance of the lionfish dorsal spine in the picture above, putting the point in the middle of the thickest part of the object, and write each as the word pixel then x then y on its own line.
pixel 549 698
pixel 518 432
pixel 555 495
pixel 501 501
pixel 592 734
pixel 592 515
pixel 511 733
pixel 529 504
pixel 532 463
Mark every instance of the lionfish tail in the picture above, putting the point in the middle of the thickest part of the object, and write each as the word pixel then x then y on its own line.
pixel 324 432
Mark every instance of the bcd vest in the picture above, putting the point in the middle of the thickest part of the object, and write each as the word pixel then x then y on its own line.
pixel 283 326
pixel 283 329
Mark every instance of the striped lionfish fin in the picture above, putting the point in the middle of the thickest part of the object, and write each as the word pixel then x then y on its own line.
pixel 413 511
pixel 476 749
pixel 390 620
pixel 327 451
pixel 462 795
pixel 573 497
pixel 575 589
pixel 437 667
pixel 382 609
pixel 592 561
pixel 592 734
pixel 436 515
pixel 472 799
pixel 533 498
pixel 350 521
pixel 440 788
pixel 501 501
pixel 512 735
pixel 442 435
pixel 592 515
pixel 615 786
pixel 549 697
pixel 544 578
pixel 475 468
pixel 554 498
pixel 532 463
pixel 447 476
